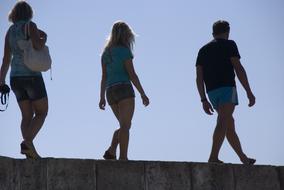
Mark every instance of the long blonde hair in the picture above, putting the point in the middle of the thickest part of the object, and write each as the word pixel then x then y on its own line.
pixel 121 34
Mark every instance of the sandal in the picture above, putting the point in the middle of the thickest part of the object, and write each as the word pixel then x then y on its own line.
pixel 250 161
pixel 29 150
pixel 109 156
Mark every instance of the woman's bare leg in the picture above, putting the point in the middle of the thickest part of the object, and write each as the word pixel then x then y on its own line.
pixel 114 143
pixel 27 116
pixel 126 111
pixel 40 108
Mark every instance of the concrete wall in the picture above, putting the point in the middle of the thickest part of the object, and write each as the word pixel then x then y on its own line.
pixel 78 174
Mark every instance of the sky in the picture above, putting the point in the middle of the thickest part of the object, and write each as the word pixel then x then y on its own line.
pixel 169 34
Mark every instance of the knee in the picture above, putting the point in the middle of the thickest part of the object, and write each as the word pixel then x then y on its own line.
pixel 41 114
pixel 225 118
pixel 125 125
pixel 27 117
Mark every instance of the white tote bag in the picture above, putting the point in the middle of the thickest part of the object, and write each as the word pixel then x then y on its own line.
pixel 35 60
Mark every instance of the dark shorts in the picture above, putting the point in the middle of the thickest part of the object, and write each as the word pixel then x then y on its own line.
pixel 28 88
pixel 119 92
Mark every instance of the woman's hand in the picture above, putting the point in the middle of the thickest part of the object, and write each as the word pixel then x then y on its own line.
pixel 102 104
pixel 42 34
pixel 145 100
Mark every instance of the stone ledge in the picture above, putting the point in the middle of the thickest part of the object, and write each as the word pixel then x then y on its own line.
pixel 87 174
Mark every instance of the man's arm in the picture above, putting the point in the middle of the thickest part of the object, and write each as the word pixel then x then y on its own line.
pixel 200 86
pixel 242 76
pixel 200 82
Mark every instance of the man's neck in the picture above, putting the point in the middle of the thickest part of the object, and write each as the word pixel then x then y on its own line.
pixel 222 36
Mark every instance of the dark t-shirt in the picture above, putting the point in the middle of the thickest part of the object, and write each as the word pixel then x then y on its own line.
pixel 214 58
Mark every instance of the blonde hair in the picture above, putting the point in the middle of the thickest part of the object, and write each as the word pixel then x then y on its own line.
pixel 121 34
pixel 21 11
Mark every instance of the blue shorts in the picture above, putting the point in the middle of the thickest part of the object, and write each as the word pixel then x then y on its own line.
pixel 222 96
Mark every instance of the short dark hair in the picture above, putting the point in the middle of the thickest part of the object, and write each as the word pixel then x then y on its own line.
pixel 220 27
pixel 21 11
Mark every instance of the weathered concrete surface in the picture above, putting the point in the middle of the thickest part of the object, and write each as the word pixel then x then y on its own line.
pixel 167 176
pixel 6 173
pixel 212 176
pixel 281 177
pixel 256 177
pixel 71 174
pixel 78 174
pixel 120 175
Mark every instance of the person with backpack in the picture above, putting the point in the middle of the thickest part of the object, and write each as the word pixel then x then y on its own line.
pixel 216 65
pixel 27 85
pixel 118 74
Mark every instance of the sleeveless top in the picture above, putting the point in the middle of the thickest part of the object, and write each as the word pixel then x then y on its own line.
pixel 18 68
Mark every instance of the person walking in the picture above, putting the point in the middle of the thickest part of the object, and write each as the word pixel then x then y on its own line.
pixel 28 86
pixel 118 74
pixel 216 65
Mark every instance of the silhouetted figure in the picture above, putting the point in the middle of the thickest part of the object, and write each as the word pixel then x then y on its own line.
pixel 216 65
pixel 117 74
pixel 27 85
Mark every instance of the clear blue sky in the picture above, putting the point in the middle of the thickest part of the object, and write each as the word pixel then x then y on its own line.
pixel 174 127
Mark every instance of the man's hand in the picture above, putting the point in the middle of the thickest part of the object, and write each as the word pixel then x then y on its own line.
pixel 251 98
pixel 207 107
pixel 102 104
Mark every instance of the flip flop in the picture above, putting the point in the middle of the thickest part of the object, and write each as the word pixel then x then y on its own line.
pixel 29 151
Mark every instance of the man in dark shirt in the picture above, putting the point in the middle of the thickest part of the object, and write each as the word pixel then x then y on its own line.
pixel 216 65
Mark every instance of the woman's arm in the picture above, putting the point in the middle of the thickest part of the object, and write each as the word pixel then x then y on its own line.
pixel 102 103
pixel 135 80
pixel 6 61
pixel 38 37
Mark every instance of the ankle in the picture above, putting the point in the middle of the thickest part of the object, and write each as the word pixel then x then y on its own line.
pixel 243 157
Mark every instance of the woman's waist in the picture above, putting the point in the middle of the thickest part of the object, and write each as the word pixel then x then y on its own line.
pixel 118 83
pixel 19 69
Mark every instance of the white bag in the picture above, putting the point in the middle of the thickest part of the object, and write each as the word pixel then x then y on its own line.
pixel 35 60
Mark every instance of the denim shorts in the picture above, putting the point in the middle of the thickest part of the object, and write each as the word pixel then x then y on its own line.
pixel 28 88
pixel 222 96
pixel 119 92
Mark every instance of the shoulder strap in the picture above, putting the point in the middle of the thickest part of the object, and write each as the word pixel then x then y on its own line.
pixel 27 30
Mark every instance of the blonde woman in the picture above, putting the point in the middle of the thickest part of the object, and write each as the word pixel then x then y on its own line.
pixel 118 75
pixel 27 85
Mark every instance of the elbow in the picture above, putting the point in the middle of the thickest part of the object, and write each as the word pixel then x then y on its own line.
pixel 6 60
pixel 133 77
pixel 199 80
pixel 103 79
